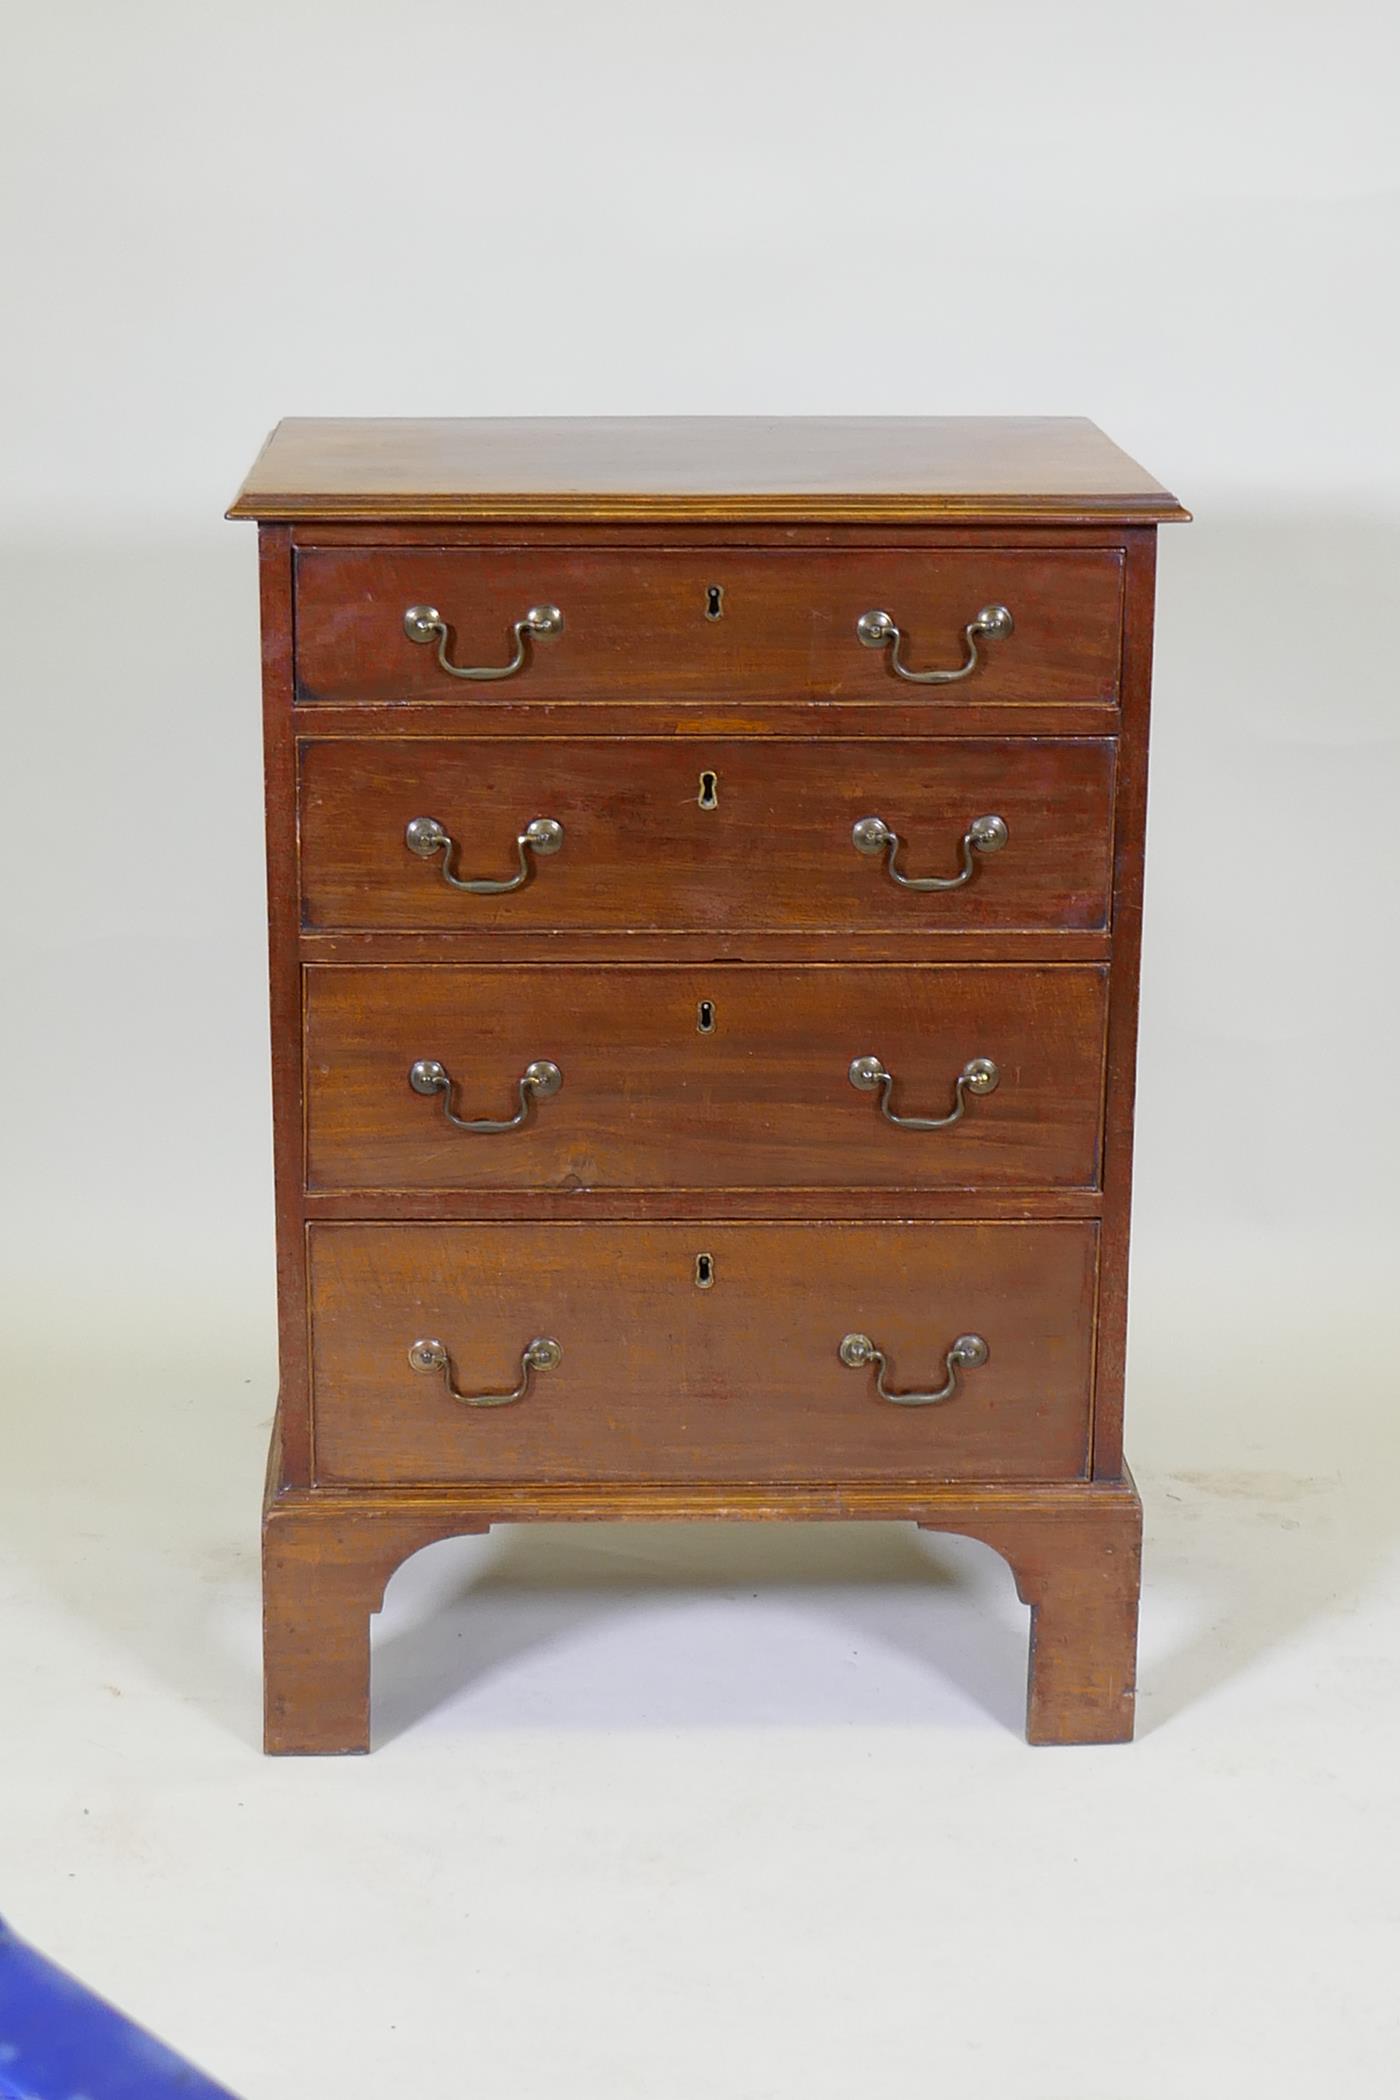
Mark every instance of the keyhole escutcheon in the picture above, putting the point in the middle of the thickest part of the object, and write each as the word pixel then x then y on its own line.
pixel 714 602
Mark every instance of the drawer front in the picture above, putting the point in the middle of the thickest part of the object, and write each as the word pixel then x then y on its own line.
pixel 720 1077
pixel 711 626
pixel 672 834
pixel 660 1379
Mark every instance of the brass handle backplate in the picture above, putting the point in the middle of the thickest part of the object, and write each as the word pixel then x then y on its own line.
pixel 871 835
pixel 878 630
pixel 968 1353
pixel 978 1076
pixel 425 837
pixel 538 1082
pixel 424 623
pixel 543 1354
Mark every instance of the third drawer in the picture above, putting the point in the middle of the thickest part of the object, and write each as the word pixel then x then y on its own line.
pixel 682 1077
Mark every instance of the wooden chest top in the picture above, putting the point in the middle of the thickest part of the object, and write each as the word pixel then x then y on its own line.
pixel 874 469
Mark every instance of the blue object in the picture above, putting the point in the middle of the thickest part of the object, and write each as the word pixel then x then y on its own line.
pixel 58 2042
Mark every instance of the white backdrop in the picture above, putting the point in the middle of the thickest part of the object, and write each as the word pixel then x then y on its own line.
pixel 1179 220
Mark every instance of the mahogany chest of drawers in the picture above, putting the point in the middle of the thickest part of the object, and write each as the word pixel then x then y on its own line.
pixel 705 881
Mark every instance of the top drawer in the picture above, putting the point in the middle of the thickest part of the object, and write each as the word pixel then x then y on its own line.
pixel 708 626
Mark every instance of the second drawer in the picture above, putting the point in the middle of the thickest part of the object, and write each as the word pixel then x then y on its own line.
pixel 735 1076
pixel 706 835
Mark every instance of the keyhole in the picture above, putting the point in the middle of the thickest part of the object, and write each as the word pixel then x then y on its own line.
pixel 708 797
pixel 704 1271
pixel 705 1017
pixel 714 602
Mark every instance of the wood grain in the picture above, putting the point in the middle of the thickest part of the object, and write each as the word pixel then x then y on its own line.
pixel 324 1575
pixel 636 625
pixel 573 1206
pixel 641 853
pixel 1073 1551
pixel 1077 1565
pixel 284 1000
pixel 1129 855
pixel 758 1099
pixel 744 1143
pixel 663 1380
pixel 679 468
pixel 648 944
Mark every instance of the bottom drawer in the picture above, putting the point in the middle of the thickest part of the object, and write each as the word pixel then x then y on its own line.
pixel 664 1375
